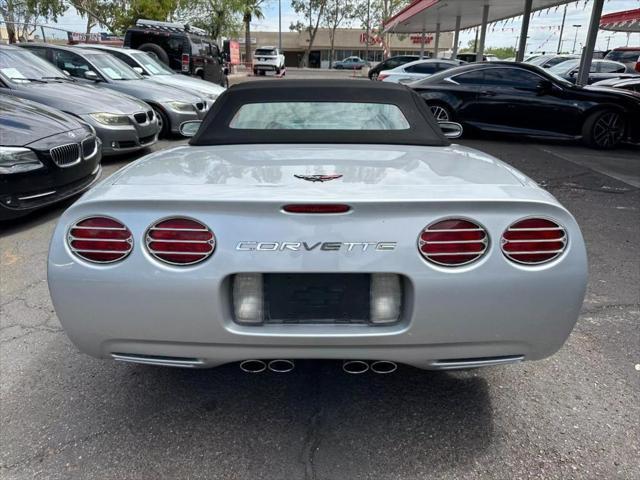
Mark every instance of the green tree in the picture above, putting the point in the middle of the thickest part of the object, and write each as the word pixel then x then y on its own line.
pixel 250 9
pixel 217 17
pixel 336 13
pixel 312 11
pixel 373 13
pixel 20 15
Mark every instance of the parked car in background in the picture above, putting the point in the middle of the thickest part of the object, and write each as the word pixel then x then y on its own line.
pixel 522 99
pixel 391 63
pixel 45 156
pixel 350 63
pixel 631 84
pixel 548 61
pixel 105 72
pixel 267 59
pixel 470 57
pixel 123 123
pixel 416 70
pixel 182 47
pixel 630 56
pixel 600 70
pixel 147 65
pixel 343 229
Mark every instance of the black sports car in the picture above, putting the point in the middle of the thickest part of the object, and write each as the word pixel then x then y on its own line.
pixel 522 99
pixel 45 156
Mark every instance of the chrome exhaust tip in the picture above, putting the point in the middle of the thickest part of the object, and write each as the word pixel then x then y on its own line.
pixel 253 366
pixel 384 366
pixel 355 367
pixel 281 365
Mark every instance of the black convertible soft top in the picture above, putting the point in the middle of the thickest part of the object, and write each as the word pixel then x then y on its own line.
pixel 423 129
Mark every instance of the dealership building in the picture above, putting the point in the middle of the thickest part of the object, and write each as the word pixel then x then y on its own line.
pixel 348 42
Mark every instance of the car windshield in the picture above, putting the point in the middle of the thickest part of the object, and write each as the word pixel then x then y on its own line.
pixel 564 67
pixel 21 66
pixel 151 65
pixel 112 68
pixel 265 51
pixel 319 116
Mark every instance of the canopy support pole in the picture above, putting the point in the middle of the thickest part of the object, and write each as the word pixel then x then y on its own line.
pixel 422 41
pixel 524 30
pixel 456 37
pixel 483 32
pixel 590 45
pixel 437 41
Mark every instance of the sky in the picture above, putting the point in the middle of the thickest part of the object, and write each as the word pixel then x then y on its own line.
pixel 540 37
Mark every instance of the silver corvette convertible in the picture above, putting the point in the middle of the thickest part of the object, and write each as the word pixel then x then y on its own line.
pixel 318 220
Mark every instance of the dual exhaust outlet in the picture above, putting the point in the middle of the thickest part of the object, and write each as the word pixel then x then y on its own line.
pixel 352 367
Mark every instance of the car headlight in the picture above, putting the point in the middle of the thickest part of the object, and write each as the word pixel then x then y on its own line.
pixel 181 106
pixel 110 118
pixel 18 160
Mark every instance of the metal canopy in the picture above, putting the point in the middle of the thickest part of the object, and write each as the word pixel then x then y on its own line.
pixel 425 15
pixel 628 21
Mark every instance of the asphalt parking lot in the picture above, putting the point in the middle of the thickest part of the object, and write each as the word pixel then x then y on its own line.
pixel 575 415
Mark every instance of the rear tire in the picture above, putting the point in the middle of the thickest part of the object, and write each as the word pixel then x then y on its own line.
pixel 604 129
pixel 157 49
pixel 163 123
pixel 441 112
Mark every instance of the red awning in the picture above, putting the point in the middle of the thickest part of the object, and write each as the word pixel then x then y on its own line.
pixel 627 21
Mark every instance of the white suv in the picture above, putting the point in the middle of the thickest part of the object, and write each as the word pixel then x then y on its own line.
pixel 267 59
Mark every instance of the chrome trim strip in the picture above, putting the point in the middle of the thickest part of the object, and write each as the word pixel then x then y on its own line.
pixel 37 195
pixel 79 227
pixel 166 362
pixel 473 363
pixel 444 254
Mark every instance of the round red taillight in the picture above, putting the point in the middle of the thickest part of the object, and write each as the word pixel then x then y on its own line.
pixel 453 242
pixel 533 241
pixel 180 241
pixel 100 240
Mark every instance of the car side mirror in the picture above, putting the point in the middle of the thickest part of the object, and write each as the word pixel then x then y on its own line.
pixel 91 75
pixel 544 87
pixel 190 128
pixel 451 129
pixel 573 73
pixel 66 73
pixel 139 70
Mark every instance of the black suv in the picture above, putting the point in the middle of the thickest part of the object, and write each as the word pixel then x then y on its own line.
pixel 183 48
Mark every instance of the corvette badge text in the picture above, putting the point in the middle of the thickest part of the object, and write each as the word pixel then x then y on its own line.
pixel 319 246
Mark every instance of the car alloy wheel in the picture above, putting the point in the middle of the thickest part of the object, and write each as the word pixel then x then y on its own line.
pixel 374 76
pixel 440 113
pixel 163 122
pixel 608 130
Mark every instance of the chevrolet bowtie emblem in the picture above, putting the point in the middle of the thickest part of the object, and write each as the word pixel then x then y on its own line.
pixel 318 178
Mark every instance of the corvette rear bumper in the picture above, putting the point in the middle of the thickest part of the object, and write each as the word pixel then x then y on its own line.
pixel 428 357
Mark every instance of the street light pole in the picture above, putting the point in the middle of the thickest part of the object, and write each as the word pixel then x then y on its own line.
pixel 280 26
pixel 564 17
pixel 366 55
pixel 575 39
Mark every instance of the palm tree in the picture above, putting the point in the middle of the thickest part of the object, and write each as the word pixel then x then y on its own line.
pixel 250 9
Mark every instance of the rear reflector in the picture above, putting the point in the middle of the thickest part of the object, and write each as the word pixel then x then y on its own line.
pixel 385 298
pixel 533 241
pixel 316 208
pixel 248 297
pixel 100 240
pixel 185 62
pixel 180 241
pixel 453 242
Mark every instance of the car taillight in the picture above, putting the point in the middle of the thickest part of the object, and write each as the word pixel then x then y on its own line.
pixel 638 65
pixel 382 76
pixel 185 62
pixel 533 241
pixel 100 240
pixel 453 242
pixel 180 241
